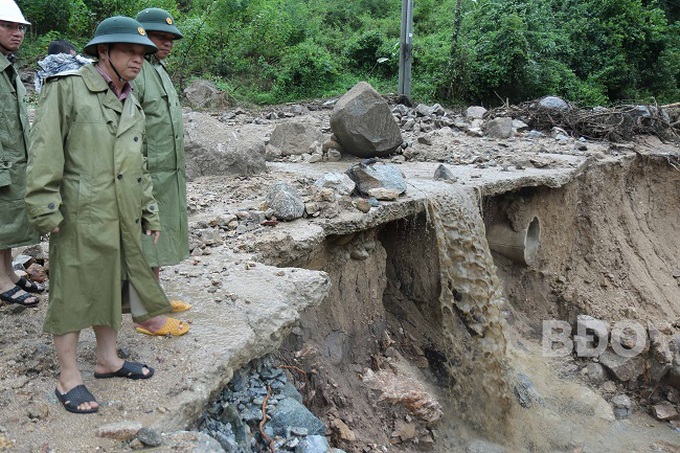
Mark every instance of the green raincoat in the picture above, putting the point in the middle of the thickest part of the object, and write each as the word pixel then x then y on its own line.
pixel 15 230
pixel 86 174
pixel 165 153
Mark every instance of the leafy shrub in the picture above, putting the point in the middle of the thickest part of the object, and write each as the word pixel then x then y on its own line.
pixel 306 71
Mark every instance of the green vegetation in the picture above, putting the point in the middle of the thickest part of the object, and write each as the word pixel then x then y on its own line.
pixel 594 52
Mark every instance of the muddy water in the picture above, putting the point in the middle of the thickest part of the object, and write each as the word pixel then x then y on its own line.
pixel 502 387
pixel 471 299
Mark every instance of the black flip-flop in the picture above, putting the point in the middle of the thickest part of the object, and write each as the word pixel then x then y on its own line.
pixel 30 286
pixel 21 300
pixel 129 370
pixel 75 397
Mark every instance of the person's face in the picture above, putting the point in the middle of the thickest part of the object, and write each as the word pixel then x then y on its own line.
pixel 164 42
pixel 11 36
pixel 127 59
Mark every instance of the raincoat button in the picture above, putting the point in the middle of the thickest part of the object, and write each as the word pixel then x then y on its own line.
pixel 139 179
pixel 50 206
pixel 136 139
pixel 120 176
pixel 136 220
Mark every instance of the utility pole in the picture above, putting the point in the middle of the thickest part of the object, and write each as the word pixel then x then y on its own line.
pixel 406 47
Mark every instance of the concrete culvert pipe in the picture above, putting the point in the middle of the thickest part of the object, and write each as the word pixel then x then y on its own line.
pixel 520 246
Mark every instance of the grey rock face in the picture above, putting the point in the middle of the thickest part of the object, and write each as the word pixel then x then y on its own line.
pixel 212 151
pixel 363 123
pixel 442 173
pixel 294 138
pixel 377 175
pixel 339 182
pixel 203 94
pixel 475 112
pixel 313 444
pixel 290 413
pixel 624 368
pixel 553 103
pixel 500 127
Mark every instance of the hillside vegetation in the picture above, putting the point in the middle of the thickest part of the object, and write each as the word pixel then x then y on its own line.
pixel 594 52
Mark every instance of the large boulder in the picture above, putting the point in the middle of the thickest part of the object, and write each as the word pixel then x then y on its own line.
pixel 203 94
pixel 213 149
pixel 363 124
pixel 295 138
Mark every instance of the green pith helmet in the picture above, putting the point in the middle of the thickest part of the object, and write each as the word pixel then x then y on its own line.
pixel 156 19
pixel 119 29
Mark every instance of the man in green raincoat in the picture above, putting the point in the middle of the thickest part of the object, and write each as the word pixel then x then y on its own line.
pixel 165 146
pixel 15 231
pixel 88 186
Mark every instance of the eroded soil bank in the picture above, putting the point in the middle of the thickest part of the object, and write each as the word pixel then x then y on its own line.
pixel 380 368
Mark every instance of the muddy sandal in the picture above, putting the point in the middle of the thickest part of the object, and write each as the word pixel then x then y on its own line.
pixel 130 370
pixel 30 286
pixel 7 296
pixel 75 397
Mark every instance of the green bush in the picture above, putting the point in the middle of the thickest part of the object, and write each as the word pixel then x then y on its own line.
pixel 464 51
pixel 308 70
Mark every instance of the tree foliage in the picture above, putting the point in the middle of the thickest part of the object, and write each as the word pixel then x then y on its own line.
pixel 464 51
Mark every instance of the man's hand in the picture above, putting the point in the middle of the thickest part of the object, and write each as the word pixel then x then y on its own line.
pixel 155 235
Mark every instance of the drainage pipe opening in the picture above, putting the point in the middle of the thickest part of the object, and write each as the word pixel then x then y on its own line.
pixel 519 246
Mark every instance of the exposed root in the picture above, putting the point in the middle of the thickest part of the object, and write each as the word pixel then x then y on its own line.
pixel 264 435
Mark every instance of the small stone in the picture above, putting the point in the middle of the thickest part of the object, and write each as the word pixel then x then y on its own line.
pixel 382 193
pixel 664 412
pixel 362 205
pixel 125 430
pixel 596 372
pixel 150 437
pixel 359 254
pixel 404 431
pixel 344 431
pixel 622 406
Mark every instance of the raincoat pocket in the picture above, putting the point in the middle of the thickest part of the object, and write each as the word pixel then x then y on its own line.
pixel 5 173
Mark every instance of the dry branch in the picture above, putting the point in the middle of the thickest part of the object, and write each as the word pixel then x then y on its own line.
pixel 620 123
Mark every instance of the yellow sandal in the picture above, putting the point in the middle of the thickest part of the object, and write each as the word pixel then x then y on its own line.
pixel 178 306
pixel 172 328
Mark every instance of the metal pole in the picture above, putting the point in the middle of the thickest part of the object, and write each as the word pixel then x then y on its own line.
pixel 406 47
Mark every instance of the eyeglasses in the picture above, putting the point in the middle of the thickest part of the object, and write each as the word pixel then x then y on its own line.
pixel 9 26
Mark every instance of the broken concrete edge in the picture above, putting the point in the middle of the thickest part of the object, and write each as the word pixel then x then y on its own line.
pixel 261 334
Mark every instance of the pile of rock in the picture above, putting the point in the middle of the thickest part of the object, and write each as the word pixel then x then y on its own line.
pixel 260 410
pixel 645 358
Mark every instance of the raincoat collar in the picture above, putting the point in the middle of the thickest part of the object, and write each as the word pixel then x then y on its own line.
pixel 96 83
pixel 4 62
